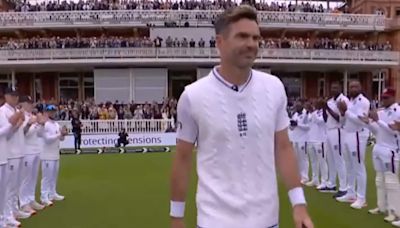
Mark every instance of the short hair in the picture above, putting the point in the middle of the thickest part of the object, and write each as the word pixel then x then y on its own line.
pixel 233 15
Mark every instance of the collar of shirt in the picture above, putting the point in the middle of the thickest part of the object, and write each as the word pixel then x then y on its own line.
pixel 228 84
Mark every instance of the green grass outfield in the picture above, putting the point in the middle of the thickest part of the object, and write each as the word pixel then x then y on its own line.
pixel 132 190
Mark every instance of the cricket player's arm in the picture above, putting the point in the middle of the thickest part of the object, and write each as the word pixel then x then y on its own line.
pixel 5 125
pixel 353 117
pixel 187 131
pixel 50 137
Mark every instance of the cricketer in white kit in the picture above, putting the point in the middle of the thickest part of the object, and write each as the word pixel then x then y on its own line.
pixel 5 126
pixel 237 116
pixel 299 124
pixel 317 144
pixel 355 144
pixel 50 157
pixel 385 156
pixel 335 142
pixel 15 150
pixel 30 167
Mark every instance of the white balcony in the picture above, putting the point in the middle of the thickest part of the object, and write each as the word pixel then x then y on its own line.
pixel 94 57
pixel 136 18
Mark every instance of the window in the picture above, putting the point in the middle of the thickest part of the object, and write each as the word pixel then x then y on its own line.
pixel 88 85
pixel 321 87
pixel 69 87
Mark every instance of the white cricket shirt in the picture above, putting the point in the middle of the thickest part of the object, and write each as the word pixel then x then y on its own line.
pixel 385 136
pixel 332 123
pixel 358 106
pixel 300 132
pixel 5 128
pixel 317 132
pixel 234 130
pixel 51 137
pixel 15 137
pixel 32 140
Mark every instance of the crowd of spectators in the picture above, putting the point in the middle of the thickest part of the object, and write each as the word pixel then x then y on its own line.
pixel 90 110
pixel 131 42
pixel 165 5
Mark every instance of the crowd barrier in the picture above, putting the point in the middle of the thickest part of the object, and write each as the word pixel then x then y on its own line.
pixel 104 133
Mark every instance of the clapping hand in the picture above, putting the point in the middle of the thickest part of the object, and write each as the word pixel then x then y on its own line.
pixel 395 126
pixel 64 131
pixel 373 114
pixel 342 106
pixel 364 119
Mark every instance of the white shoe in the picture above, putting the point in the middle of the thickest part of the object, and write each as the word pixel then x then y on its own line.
pixel 359 204
pixel 396 224
pixel 304 181
pixel 312 183
pixel 47 203
pixel 390 218
pixel 22 215
pixel 376 211
pixel 321 186
pixel 36 206
pixel 58 197
pixel 28 209
pixel 11 221
pixel 347 199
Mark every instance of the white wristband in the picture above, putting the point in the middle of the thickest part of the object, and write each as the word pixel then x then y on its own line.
pixel 296 196
pixel 177 209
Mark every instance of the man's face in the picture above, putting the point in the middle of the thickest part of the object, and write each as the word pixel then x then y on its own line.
pixel 354 88
pixel 28 107
pixel 238 44
pixel 335 89
pixel 51 114
pixel 11 99
pixel 388 101
pixel 299 107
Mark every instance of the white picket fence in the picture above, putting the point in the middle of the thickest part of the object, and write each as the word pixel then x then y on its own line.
pixel 115 126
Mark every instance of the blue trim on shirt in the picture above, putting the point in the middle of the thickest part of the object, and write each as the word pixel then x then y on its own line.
pixel 229 85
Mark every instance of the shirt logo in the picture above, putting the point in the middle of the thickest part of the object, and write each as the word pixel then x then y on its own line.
pixel 242 124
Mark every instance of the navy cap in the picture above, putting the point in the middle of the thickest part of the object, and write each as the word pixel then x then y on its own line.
pixel 50 108
pixel 10 91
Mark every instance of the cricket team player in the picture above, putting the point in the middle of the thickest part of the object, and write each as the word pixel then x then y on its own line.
pixel 50 157
pixel 33 148
pixel 6 124
pixel 300 125
pixel 335 144
pixel 317 144
pixel 240 127
pixel 15 153
pixel 356 139
pixel 385 156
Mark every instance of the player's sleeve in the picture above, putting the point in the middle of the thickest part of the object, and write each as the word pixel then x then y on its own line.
pixel 48 136
pixel 187 127
pixel 5 126
pixel 282 118
pixel 361 111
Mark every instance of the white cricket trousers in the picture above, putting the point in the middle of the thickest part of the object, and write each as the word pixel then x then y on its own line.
pixel 318 162
pixel 302 159
pixel 50 170
pixel 30 172
pixel 335 158
pixel 13 186
pixel 386 164
pixel 3 190
pixel 356 145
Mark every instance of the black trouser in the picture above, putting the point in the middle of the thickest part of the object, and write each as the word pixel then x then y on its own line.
pixel 77 140
pixel 124 142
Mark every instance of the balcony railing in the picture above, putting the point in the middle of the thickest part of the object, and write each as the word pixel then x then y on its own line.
pixel 115 126
pixel 115 18
pixel 189 55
